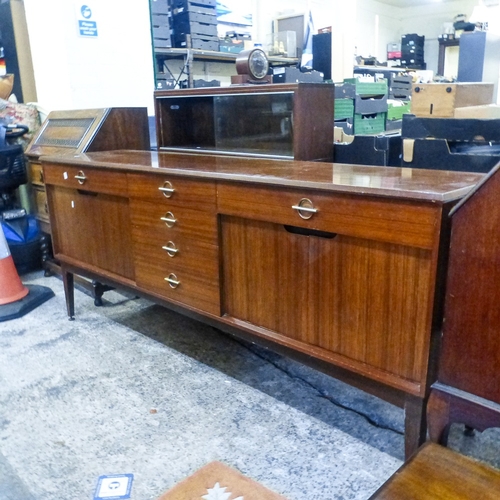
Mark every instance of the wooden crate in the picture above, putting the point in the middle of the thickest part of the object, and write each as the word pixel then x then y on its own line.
pixel 439 100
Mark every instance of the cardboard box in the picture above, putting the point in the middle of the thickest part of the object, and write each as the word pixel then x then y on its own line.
pixel 440 100
pixel 485 111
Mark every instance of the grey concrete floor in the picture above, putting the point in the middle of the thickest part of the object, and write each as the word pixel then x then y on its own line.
pixel 134 387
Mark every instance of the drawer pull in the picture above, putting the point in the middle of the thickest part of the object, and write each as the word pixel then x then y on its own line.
pixel 170 249
pixel 40 176
pixel 167 189
pixel 172 280
pixel 81 178
pixel 305 208
pixel 169 219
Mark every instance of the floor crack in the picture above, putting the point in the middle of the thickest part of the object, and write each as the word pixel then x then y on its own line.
pixel 319 392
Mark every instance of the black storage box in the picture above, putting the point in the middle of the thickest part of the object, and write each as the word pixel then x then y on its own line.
pixel 459 144
pixel 382 150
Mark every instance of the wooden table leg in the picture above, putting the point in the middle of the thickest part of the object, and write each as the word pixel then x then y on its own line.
pixel 438 417
pixel 69 292
pixel 415 424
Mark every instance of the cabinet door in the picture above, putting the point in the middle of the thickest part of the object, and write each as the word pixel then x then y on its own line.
pixel 368 301
pixel 93 229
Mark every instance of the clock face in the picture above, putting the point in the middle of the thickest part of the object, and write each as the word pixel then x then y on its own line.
pixel 253 63
pixel 258 64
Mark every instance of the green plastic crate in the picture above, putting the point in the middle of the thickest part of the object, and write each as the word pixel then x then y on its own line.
pixel 397 112
pixel 369 124
pixel 344 108
pixel 368 88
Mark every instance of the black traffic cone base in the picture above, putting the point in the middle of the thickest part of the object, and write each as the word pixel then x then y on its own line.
pixel 37 295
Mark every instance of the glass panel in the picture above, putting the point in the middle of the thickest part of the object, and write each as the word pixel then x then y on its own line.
pixel 254 123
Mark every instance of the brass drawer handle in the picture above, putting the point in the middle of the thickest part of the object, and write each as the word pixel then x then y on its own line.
pixel 167 189
pixel 81 178
pixel 172 280
pixel 170 249
pixel 40 176
pixel 305 205
pixel 169 219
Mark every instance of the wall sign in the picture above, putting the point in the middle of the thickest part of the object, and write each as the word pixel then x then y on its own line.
pixel 87 25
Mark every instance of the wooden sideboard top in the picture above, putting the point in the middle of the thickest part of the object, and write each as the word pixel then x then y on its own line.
pixel 404 183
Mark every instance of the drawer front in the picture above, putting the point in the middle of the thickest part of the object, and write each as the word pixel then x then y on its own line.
pixel 86 179
pixel 42 209
pixel 395 221
pixel 194 278
pixel 36 173
pixel 173 191
pixel 152 220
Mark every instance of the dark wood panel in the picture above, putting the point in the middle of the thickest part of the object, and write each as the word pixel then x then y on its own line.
pixel 123 128
pixel 195 194
pixel 92 228
pixel 471 341
pixel 146 218
pixel 403 222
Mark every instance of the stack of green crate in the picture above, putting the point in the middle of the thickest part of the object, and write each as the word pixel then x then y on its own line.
pixel 344 114
pixel 395 111
pixel 369 100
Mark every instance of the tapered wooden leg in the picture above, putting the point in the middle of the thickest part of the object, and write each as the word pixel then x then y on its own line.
pixel 415 424
pixel 69 292
pixel 438 417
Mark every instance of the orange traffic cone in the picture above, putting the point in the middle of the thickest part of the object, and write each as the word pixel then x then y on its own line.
pixel 11 288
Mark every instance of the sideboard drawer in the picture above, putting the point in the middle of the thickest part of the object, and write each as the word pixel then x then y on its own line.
pixel 403 222
pixel 36 173
pixel 153 219
pixel 174 191
pixel 86 179
pixel 194 285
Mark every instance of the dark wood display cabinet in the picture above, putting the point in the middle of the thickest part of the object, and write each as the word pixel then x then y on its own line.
pixel 289 121
pixel 338 266
pixel 72 132
pixel 468 386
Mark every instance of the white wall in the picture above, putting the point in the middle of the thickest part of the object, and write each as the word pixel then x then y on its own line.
pixel 72 72
pixel 116 68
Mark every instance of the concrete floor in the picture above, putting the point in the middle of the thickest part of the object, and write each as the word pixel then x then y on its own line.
pixel 132 388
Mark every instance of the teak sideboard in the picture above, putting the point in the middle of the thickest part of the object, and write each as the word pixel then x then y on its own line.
pixel 339 266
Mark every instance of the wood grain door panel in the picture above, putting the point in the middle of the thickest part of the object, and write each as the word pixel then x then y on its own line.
pixel 308 288
pixel 92 228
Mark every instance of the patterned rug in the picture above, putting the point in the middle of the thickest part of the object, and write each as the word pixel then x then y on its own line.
pixel 217 481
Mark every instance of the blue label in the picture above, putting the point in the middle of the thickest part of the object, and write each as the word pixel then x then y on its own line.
pixel 87 28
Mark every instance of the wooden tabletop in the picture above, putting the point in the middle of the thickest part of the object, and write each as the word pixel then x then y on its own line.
pixel 406 183
pixel 439 473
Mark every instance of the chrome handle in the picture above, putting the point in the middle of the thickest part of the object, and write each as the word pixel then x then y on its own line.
pixel 172 280
pixel 169 219
pixel 305 205
pixel 81 178
pixel 170 249
pixel 167 189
